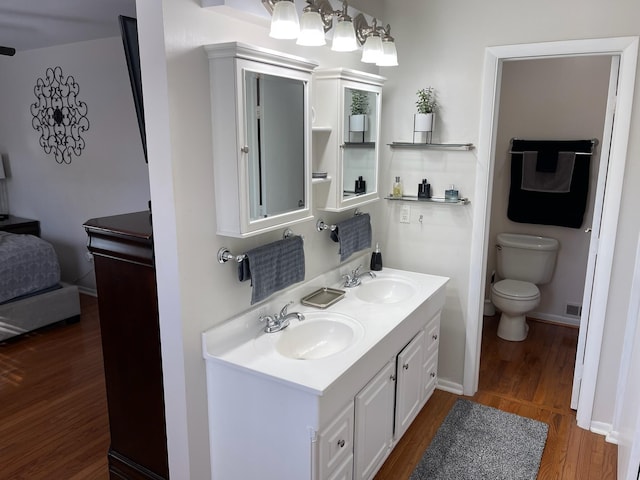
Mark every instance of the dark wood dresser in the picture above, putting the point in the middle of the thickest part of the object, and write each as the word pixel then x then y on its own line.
pixel 20 225
pixel 122 248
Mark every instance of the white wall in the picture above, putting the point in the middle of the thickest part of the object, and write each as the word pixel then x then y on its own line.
pixel 109 177
pixel 441 43
pixel 558 98
pixel 195 291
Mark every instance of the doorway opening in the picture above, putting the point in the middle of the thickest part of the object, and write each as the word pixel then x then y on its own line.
pixel 603 246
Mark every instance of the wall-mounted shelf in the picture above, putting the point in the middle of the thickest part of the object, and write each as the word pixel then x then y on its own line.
pixel 412 198
pixel 359 144
pixel 433 146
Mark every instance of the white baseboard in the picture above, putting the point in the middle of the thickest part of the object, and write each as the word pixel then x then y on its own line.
pixel 449 386
pixel 550 317
pixel 606 430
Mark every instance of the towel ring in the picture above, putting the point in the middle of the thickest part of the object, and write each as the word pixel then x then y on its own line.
pixel 320 225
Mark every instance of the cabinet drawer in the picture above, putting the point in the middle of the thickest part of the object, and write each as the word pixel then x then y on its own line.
pixel 336 444
pixel 433 336
pixel 430 374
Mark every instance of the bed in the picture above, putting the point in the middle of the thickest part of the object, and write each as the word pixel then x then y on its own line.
pixel 31 293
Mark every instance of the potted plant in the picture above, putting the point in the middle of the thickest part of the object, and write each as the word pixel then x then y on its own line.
pixel 426 105
pixel 359 111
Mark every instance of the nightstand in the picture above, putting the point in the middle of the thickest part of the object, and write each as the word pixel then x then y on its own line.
pixel 20 225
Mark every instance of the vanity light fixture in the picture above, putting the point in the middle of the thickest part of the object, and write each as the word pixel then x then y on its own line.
pixel 348 34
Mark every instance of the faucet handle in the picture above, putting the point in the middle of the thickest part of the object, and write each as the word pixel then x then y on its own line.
pixel 283 312
pixel 356 271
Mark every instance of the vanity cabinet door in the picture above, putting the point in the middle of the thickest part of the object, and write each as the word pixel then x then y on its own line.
pixel 335 445
pixel 409 388
pixel 374 422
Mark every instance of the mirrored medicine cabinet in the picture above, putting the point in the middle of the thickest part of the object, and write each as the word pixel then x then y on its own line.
pixel 260 103
pixel 346 137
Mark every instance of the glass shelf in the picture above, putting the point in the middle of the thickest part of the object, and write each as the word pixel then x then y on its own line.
pixel 412 198
pixel 432 146
pixel 359 144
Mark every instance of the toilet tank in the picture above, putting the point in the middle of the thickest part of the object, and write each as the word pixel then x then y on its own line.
pixel 526 257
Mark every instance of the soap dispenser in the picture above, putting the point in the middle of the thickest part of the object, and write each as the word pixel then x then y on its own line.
pixel 376 260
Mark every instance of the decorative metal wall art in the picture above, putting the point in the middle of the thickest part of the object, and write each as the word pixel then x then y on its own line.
pixel 59 116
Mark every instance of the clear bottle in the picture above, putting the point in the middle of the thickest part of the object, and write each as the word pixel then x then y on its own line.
pixel 397 188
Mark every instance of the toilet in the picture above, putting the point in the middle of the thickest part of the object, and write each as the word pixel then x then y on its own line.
pixel 523 262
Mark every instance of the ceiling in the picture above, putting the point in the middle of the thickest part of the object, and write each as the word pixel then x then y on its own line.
pixel 30 24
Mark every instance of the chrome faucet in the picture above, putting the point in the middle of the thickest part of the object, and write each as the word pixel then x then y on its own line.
pixel 354 278
pixel 279 321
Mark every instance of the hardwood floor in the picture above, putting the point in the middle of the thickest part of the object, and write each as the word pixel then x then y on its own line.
pixel 53 409
pixel 53 413
pixel 533 379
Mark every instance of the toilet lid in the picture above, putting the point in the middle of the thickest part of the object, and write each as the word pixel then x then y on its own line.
pixel 516 289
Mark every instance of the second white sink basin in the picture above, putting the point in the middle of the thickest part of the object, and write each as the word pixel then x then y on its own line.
pixel 385 290
pixel 319 335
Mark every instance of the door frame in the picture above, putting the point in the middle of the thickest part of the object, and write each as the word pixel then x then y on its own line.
pixel 627 49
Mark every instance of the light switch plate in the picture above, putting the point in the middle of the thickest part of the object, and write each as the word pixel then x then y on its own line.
pixel 405 214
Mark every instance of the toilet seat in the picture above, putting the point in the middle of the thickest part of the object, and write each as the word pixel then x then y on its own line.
pixel 515 290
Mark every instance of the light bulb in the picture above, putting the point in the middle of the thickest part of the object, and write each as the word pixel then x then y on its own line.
pixel 372 49
pixel 344 36
pixel 284 22
pixel 311 30
pixel 389 56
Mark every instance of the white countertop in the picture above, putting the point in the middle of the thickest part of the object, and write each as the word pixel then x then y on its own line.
pixel 234 343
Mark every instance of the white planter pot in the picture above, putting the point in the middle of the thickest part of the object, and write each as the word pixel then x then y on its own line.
pixel 423 122
pixel 358 123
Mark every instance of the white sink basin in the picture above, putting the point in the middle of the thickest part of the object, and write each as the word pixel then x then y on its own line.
pixel 385 290
pixel 319 335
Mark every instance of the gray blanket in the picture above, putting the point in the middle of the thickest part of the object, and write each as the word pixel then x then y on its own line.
pixel 27 264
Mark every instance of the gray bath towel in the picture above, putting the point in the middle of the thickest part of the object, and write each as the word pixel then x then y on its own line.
pixel 558 180
pixel 275 266
pixel 354 234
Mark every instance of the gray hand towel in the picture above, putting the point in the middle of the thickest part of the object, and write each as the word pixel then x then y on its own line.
pixel 556 181
pixel 354 234
pixel 275 266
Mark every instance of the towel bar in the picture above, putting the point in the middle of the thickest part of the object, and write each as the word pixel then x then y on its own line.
pixel 576 153
pixel 224 254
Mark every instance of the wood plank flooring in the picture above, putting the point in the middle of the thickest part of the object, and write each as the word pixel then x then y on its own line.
pixel 53 409
pixel 533 379
pixel 53 414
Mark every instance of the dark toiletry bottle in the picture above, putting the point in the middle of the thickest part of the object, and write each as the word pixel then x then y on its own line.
pixel 424 189
pixel 376 259
pixel 361 185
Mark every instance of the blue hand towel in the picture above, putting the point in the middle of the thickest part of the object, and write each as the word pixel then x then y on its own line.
pixel 354 234
pixel 275 266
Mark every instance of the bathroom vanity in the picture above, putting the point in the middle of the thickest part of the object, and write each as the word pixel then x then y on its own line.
pixel 331 395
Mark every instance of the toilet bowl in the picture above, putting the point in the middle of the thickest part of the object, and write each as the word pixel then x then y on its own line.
pixel 514 298
pixel 524 262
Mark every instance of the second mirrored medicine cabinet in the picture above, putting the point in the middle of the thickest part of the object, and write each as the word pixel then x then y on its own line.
pixel 346 133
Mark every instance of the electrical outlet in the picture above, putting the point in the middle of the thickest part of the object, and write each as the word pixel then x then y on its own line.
pixel 405 214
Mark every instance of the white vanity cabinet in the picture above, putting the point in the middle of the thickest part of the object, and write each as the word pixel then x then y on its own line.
pixel 346 146
pixel 390 402
pixel 261 119
pixel 333 418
